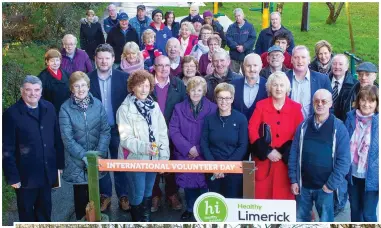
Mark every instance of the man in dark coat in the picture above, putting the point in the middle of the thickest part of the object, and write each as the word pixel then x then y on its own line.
pixel 90 35
pixel 110 87
pixel 194 14
pixel 32 151
pixel 120 35
pixel 275 60
pixel 266 35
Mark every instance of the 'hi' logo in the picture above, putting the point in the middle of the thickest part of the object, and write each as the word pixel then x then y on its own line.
pixel 209 208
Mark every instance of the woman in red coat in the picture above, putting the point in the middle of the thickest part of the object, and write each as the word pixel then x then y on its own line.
pixel 271 156
pixel 186 38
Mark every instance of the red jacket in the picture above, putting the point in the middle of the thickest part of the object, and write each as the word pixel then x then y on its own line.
pixel 272 180
pixel 192 41
pixel 286 62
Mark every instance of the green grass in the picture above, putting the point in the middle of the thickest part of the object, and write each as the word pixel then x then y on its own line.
pixel 364 18
pixel 8 197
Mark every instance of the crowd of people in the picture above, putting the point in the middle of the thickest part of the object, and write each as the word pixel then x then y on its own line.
pixel 154 90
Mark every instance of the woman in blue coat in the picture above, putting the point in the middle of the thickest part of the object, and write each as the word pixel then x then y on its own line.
pixel 185 130
pixel 362 125
pixel 84 127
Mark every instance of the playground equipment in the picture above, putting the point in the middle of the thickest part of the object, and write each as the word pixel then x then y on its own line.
pixel 266 9
pixel 353 61
pixel 216 14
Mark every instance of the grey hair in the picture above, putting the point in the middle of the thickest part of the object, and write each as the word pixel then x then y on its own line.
pixel 275 12
pixel 238 10
pixel 300 47
pixel 69 36
pixel 32 80
pixel 221 51
pixel 111 5
pixel 278 75
pixel 341 55
pixel 172 39
pixel 189 25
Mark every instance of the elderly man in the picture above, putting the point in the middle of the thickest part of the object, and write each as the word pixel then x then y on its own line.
pixel 217 27
pixel 240 38
pixel 367 75
pixel 167 93
pixel 163 33
pixel 173 51
pixel 112 20
pixel 120 35
pixel 305 82
pixel 221 73
pixel 194 14
pixel 32 151
pixel 73 58
pixel 275 58
pixel 109 86
pixel 283 41
pixel 141 22
pixel 319 160
pixel 266 35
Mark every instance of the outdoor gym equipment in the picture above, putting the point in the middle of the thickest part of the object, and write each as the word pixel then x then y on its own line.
pixel 266 9
pixel 354 59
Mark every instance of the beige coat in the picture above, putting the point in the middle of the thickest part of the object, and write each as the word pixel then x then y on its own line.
pixel 134 135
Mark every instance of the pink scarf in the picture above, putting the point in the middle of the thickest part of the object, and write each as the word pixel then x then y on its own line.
pixel 126 67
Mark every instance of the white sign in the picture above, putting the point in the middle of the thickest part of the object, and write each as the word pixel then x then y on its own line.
pixel 213 207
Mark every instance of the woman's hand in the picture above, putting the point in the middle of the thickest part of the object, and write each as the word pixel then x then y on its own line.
pixel 219 175
pixel 193 153
pixel 274 155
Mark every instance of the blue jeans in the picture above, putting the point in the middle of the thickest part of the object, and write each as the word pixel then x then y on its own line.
pixel 191 195
pixel 120 178
pixel 323 203
pixel 231 186
pixel 140 185
pixel 363 203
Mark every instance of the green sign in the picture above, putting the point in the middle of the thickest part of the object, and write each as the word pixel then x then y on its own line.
pixel 211 207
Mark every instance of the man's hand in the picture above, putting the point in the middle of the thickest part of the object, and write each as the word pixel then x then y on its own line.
pixel 295 188
pixel 274 156
pixel 326 189
pixel 240 48
pixel 193 153
pixel 219 175
pixel 17 185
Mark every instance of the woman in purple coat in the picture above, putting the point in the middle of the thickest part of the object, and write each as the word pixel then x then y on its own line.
pixel 185 130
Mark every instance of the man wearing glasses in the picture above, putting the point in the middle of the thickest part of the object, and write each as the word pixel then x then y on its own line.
pixel 167 93
pixel 319 160
pixel 305 82
pixel 275 59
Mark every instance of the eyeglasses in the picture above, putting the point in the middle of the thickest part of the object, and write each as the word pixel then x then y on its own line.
pixel 78 87
pixel 69 45
pixel 189 67
pixel 161 66
pixel 206 34
pixel 220 99
pixel 323 102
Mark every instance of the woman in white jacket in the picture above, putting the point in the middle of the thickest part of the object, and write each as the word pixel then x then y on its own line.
pixel 143 136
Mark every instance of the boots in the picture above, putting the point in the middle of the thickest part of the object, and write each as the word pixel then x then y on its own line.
pixel 146 209
pixel 136 213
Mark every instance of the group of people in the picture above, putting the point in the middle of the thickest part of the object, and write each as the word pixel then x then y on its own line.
pixel 156 90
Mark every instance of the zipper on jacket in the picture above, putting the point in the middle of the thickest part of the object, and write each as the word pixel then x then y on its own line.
pixel 87 132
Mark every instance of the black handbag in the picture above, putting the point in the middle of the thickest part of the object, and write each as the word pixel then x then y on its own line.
pixel 265 132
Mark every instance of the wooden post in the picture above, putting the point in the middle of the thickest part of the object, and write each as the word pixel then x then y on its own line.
pixel 93 182
pixel 248 179
pixel 305 17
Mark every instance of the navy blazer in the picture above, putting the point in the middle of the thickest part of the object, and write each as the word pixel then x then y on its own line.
pixel 318 81
pixel 239 103
pixel 32 148
pixel 118 88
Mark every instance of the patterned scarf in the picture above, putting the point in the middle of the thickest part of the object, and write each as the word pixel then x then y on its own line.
pixel 196 109
pixel 145 109
pixel 360 142
pixel 324 69
pixel 82 104
pixel 126 67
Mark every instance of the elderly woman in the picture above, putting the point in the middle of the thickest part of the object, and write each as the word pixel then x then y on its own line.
pixel 171 23
pixel 362 125
pixel 323 61
pixel 150 51
pixel 185 130
pixel 55 81
pixel 131 59
pixel 90 34
pixel 282 116
pixel 205 63
pixel 143 136
pixel 190 65
pixel 187 40
pixel 84 127
pixel 202 46
pixel 224 138
pixel 173 51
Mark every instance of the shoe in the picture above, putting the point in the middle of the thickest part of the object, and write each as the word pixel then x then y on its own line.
pixel 135 213
pixel 146 209
pixel 124 204
pixel 186 215
pixel 175 203
pixel 105 202
pixel 155 204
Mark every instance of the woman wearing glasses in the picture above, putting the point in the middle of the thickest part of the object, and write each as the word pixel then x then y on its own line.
pixel 224 138
pixel 283 116
pixel 202 46
pixel 84 127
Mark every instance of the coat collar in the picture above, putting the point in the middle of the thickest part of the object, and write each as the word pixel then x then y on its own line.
pixel 23 108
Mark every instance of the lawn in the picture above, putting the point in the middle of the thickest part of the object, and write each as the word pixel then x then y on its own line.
pixel 364 17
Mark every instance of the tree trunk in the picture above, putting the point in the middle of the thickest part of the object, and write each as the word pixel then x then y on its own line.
pixel 333 15
pixel 279 7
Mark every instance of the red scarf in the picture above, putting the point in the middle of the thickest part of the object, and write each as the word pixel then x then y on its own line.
pixel 57 76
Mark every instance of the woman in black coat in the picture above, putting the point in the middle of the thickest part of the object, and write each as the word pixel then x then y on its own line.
pixel 90 34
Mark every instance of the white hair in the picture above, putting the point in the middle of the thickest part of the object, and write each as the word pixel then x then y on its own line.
pixel 67 36
pixel 238 10
pixel 219 52
pixel 300 47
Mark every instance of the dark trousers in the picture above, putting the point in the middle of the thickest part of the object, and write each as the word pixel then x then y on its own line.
pixel 170 185
pixel 230 186
pixel 191 195
pixel 81 198
pixel 34 204
pixel 363 203
pixel 120 178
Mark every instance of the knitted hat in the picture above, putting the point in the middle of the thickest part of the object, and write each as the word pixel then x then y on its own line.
pixel 155 12
pixel 207 13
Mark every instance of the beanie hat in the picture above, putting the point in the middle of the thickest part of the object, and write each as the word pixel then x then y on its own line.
pixel 207 13
pixel 156 11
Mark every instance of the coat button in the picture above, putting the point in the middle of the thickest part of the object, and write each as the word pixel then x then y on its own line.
pixel 278 122
pixel 44 145
pixel 277 135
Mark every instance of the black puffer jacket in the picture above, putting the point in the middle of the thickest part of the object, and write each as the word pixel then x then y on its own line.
pixel 90 36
